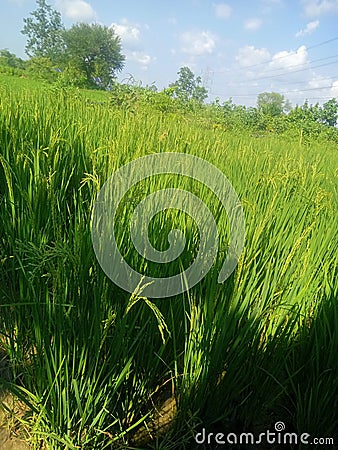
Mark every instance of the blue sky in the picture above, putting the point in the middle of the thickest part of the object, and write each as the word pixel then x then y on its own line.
pixel 239 48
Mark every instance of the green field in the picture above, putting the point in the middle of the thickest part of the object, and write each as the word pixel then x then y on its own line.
pixel 98 368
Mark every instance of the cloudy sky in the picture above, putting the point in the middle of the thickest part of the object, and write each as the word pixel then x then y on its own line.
pixel 239 48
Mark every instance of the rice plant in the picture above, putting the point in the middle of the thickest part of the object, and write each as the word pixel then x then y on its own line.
pixel 100 368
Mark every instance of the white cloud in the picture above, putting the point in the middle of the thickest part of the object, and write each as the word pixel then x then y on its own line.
pixel 288 72
pixel 310 28
pixel 316 8
pixel 222 10
pixel 249 56
pixel 253 24
pixel 292 60
pixel 130 34
pixel 334 89
pixel 141 58
pixel 198 43
pixel 284 60
pixel 319 82
pixel 78 10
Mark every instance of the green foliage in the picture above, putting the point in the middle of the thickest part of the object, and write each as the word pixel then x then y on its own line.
pixel 95 51
pixel 304 121
pixel 188 87
pixel 313 121
pixel 92 363
pixel 329 112
pixel 124 95
pixel 272 103
pixel 11 60
pixel 41 68
pixel 90 53
pixel 71 76
pixel 44 32
pixel 132 96
pixel 11 70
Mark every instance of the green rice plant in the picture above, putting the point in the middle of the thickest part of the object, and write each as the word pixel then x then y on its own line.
pixel 94 364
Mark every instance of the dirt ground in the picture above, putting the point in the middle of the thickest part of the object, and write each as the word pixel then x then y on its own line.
pixel 8 439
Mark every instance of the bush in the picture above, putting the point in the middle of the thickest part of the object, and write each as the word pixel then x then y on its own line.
pixel 72 77
pixel 42 68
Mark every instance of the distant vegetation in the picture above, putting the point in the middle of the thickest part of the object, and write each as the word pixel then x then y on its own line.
pixel 90 56
pixel 272 114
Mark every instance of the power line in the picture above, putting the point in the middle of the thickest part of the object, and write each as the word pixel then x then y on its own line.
pixel 302 82
pixel 296 71
pixel 287 73
pixel 285 92
pixel 283 56
pixel 305 68
pixel 309 89
pixel 265 77
pixel 241 84
pixel 322 43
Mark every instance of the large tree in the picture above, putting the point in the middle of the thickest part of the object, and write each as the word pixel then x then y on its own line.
pixel 44 31
pixel 94 50
pixel 188 87
pixel 272 103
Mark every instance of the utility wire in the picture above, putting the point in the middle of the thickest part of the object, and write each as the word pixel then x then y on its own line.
pixel 309 89
pixel 241 84
pixel 286 73
pixel 295 71
pixel 302 64
pixel 296 65
pixel 282 56
pixel 286 92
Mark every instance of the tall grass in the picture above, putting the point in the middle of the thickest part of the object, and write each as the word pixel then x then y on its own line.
pixel 91 362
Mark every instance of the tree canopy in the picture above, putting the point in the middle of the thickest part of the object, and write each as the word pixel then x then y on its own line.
pixel 329 112
pixel 91 52
pixel 10 59
pixel 44 31
pixel 94 50
pixel 272 103
pixel 188 87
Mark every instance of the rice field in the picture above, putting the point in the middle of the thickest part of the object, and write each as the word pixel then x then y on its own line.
pixel 96 367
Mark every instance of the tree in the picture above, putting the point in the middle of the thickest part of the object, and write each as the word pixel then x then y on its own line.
pixel 188 87
pixel 326 114
pixel 10 59
pixel 329 113
pixel 41 68
pixel 272 103
pixel 94 50
pixel 44 32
